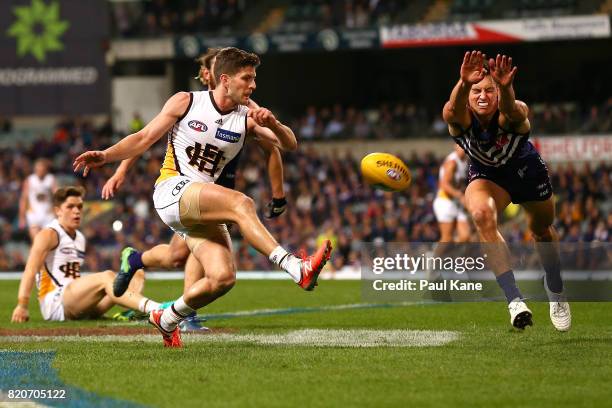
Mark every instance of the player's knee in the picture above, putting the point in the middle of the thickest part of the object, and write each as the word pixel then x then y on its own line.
pixel 542 233
pixel 484 217
pixel 244 204
pixel 109 275
pixel 178 258
pixel 226 284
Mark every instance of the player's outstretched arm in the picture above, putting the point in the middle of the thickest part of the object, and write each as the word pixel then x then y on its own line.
pixel 118 178
pixel 503 74
pixel 472 71
pixel 282 136
pixel 44 241
pixel 137 143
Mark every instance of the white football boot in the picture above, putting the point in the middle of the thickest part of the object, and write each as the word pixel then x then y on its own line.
pixel 520 315
pixel 560 314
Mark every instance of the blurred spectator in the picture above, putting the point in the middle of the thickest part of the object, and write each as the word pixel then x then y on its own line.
pixel 136 123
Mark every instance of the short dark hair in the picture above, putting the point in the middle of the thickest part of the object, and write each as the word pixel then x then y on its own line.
pixel 230 60
pixel 62 193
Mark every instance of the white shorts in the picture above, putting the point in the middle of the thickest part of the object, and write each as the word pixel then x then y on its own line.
pixel 38 219
pixel 52 305
pixel 166 199
pixel 448 210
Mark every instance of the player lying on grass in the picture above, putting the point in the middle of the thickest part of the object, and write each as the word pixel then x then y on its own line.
pixel 55 262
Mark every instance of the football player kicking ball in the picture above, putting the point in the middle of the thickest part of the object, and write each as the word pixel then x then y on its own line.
pixel 175 253
pixel 55 262
pixel 486 120
pixel 207 130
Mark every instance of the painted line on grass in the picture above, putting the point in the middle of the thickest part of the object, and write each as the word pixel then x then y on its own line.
pixel 315 309
pixel 303 337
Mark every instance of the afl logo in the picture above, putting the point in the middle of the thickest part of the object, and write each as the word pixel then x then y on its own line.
pixel 394 175
pixel 197 126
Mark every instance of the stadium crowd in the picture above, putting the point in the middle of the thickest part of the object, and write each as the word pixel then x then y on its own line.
pixel 325 193
pixel 402 120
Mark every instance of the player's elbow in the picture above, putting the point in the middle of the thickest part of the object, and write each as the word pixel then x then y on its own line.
pixel 448 112
pixel 289 145
pixel 292 147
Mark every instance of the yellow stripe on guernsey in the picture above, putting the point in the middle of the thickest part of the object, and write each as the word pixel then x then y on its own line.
pixel 46 284
pixel 169 166
pixel 442 194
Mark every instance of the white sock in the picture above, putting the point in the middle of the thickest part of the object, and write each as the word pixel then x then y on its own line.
pixel 176 313
pixel 289 262
pixel 146 305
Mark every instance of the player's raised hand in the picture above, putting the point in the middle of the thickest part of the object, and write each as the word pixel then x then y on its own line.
pixel 472 69
pixel 263 117
pixel 89 160
pixel 502 70
pixel 112 185
pixel 20 314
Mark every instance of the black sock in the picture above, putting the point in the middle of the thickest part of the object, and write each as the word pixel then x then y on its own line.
pixel 135 260
pixel 549 257
pixel 508 284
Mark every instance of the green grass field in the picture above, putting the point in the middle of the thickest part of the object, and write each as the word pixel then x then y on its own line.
pixel 485 364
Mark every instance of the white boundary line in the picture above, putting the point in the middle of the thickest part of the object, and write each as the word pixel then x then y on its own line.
pixel 356 338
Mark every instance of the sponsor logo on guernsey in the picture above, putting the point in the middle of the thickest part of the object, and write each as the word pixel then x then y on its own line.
pixel 227 136
pixel 197 126
pixel 219 121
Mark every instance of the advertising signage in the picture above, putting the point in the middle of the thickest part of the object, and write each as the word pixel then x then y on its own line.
pixel 53 57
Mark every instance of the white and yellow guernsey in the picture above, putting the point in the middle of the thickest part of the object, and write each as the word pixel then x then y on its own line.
pixel 205 144
pixel 63 263
pixel 460 175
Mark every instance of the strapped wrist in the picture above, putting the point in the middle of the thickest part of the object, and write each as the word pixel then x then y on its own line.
pixel 23 301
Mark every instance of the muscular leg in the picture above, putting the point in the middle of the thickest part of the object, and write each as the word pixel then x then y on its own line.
pixel 485 200
pixel 211 253
pixel 463 232
pixel 167 256
pixel 540 217
pixel 444 245
pixel 83 296
pixel 193 271
pixel 210 203
pixel 446 231
pixel 220 204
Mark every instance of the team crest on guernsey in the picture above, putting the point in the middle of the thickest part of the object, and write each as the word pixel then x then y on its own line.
pixel 227 136
pixel 502 140
pixel 197 126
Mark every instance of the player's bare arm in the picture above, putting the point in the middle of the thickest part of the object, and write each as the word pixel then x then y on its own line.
pixel 282 136
pixel 23 204
pixel 118 178
pixel 44 242
pixel 455 111
pixel 446 182
pixel 275 166
pixel 515 112
pixel 137 143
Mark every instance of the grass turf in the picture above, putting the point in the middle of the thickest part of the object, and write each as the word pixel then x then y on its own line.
pixel 490 365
